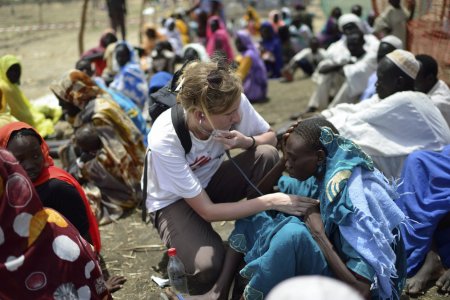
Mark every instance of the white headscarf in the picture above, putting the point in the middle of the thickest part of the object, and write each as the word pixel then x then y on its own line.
pixel 393 40
pixel 350 18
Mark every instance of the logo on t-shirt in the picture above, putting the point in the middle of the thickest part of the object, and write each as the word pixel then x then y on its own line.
pixel 199 161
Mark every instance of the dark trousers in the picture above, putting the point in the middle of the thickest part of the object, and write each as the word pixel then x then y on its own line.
pixel 117 19
pixel 199 247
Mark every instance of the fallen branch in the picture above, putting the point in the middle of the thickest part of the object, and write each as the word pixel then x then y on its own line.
pixel 144 248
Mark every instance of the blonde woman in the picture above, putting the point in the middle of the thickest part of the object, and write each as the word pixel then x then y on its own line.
pixel 187 191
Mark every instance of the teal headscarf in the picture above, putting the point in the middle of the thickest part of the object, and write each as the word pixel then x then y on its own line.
pixel 343 156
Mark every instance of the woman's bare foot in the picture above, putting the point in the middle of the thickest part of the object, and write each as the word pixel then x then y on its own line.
pixel 211 295
pixel 430 270
pixel 170 294
pixel 115 283
pixel 443 282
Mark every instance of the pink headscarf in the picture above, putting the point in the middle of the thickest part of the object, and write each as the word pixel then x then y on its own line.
pixel 221 35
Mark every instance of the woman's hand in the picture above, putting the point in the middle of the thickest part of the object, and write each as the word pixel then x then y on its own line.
pixel 292 204
pixel 286 136
pixel 232 139
pixel 115 283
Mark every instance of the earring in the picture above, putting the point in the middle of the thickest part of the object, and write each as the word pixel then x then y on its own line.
pixel 321 166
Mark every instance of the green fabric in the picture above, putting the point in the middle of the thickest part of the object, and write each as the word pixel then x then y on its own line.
pixel 18 103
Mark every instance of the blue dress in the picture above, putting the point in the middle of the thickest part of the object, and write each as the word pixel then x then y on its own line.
pixel 360 218
pixel 425 200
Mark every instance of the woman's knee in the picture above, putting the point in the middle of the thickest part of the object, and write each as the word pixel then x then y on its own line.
pixel 295 236
pixel 268 154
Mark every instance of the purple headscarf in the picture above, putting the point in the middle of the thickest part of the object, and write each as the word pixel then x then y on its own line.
pixel 255 83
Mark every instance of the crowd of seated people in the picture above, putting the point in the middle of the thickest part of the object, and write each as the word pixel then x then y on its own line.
pixel 367 197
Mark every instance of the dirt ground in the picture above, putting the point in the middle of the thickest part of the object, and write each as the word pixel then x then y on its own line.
pixel 130 248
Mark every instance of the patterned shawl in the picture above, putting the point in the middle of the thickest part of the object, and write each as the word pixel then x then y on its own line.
pixel 29 233
pixel 116 169
pixel 50 171
pixel 130 80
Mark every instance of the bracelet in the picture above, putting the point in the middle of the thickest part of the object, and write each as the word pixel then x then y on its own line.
pixel 253 143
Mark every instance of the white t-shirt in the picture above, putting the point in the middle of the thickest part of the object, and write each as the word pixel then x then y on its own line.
pixel 172 174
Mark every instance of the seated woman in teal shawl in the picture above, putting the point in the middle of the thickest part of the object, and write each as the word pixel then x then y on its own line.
pixel 349 228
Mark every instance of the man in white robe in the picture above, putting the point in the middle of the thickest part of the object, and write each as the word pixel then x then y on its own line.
pixel 427 82
pixel 397 120
pixel 330 73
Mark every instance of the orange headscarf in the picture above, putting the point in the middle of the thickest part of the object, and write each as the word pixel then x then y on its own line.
pixel 50 171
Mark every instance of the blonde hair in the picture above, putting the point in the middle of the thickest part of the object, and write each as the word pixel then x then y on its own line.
pixel 209 86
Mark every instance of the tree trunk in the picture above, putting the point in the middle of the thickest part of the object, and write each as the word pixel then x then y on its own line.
pixel 94 8
pixel 82 25
pixel 141 20
pixel 41 18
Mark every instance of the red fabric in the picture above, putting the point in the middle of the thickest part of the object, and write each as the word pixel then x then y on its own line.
pixel 42 256
pixel 100 63
pixel 50 171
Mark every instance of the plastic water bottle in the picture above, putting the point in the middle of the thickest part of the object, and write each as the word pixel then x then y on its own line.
pixel 177 273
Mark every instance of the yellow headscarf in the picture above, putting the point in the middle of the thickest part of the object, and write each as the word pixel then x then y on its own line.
pixel 19 105
pixel 183 29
